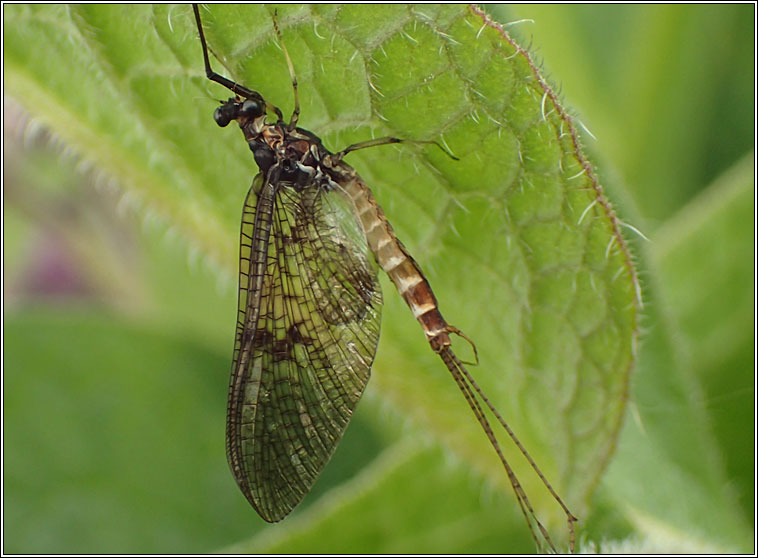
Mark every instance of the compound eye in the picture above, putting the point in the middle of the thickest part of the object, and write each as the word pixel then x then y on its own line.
pixel 225 114
pixel 251 108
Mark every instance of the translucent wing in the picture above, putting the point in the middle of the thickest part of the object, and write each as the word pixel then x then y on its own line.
pixel 308 327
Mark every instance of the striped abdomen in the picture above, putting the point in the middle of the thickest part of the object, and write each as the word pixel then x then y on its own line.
pixel 394 259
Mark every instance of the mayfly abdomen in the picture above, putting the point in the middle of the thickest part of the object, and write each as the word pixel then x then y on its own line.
pixel 398 264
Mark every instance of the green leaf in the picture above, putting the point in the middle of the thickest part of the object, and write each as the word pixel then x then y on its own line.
pixel 517 239
pixel 667 89
pixel 693 391
pixel 94 462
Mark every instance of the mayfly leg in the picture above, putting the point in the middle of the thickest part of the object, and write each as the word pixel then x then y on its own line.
pixel 296 110
pixel 385 141
pixel 235 88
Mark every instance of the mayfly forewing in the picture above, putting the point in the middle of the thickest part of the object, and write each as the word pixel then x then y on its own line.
pixel 308 316
pixel 307 334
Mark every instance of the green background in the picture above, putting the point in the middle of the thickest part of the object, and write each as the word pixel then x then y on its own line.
pixel 112 449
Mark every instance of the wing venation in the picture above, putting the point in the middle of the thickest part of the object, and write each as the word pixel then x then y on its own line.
pixel 308 327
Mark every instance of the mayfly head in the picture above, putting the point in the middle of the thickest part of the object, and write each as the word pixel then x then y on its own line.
pixel 242 110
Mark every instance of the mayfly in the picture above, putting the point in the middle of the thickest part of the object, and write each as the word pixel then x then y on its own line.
pixel 309 308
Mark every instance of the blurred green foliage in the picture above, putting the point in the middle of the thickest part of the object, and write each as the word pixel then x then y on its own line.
pixel 115 341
